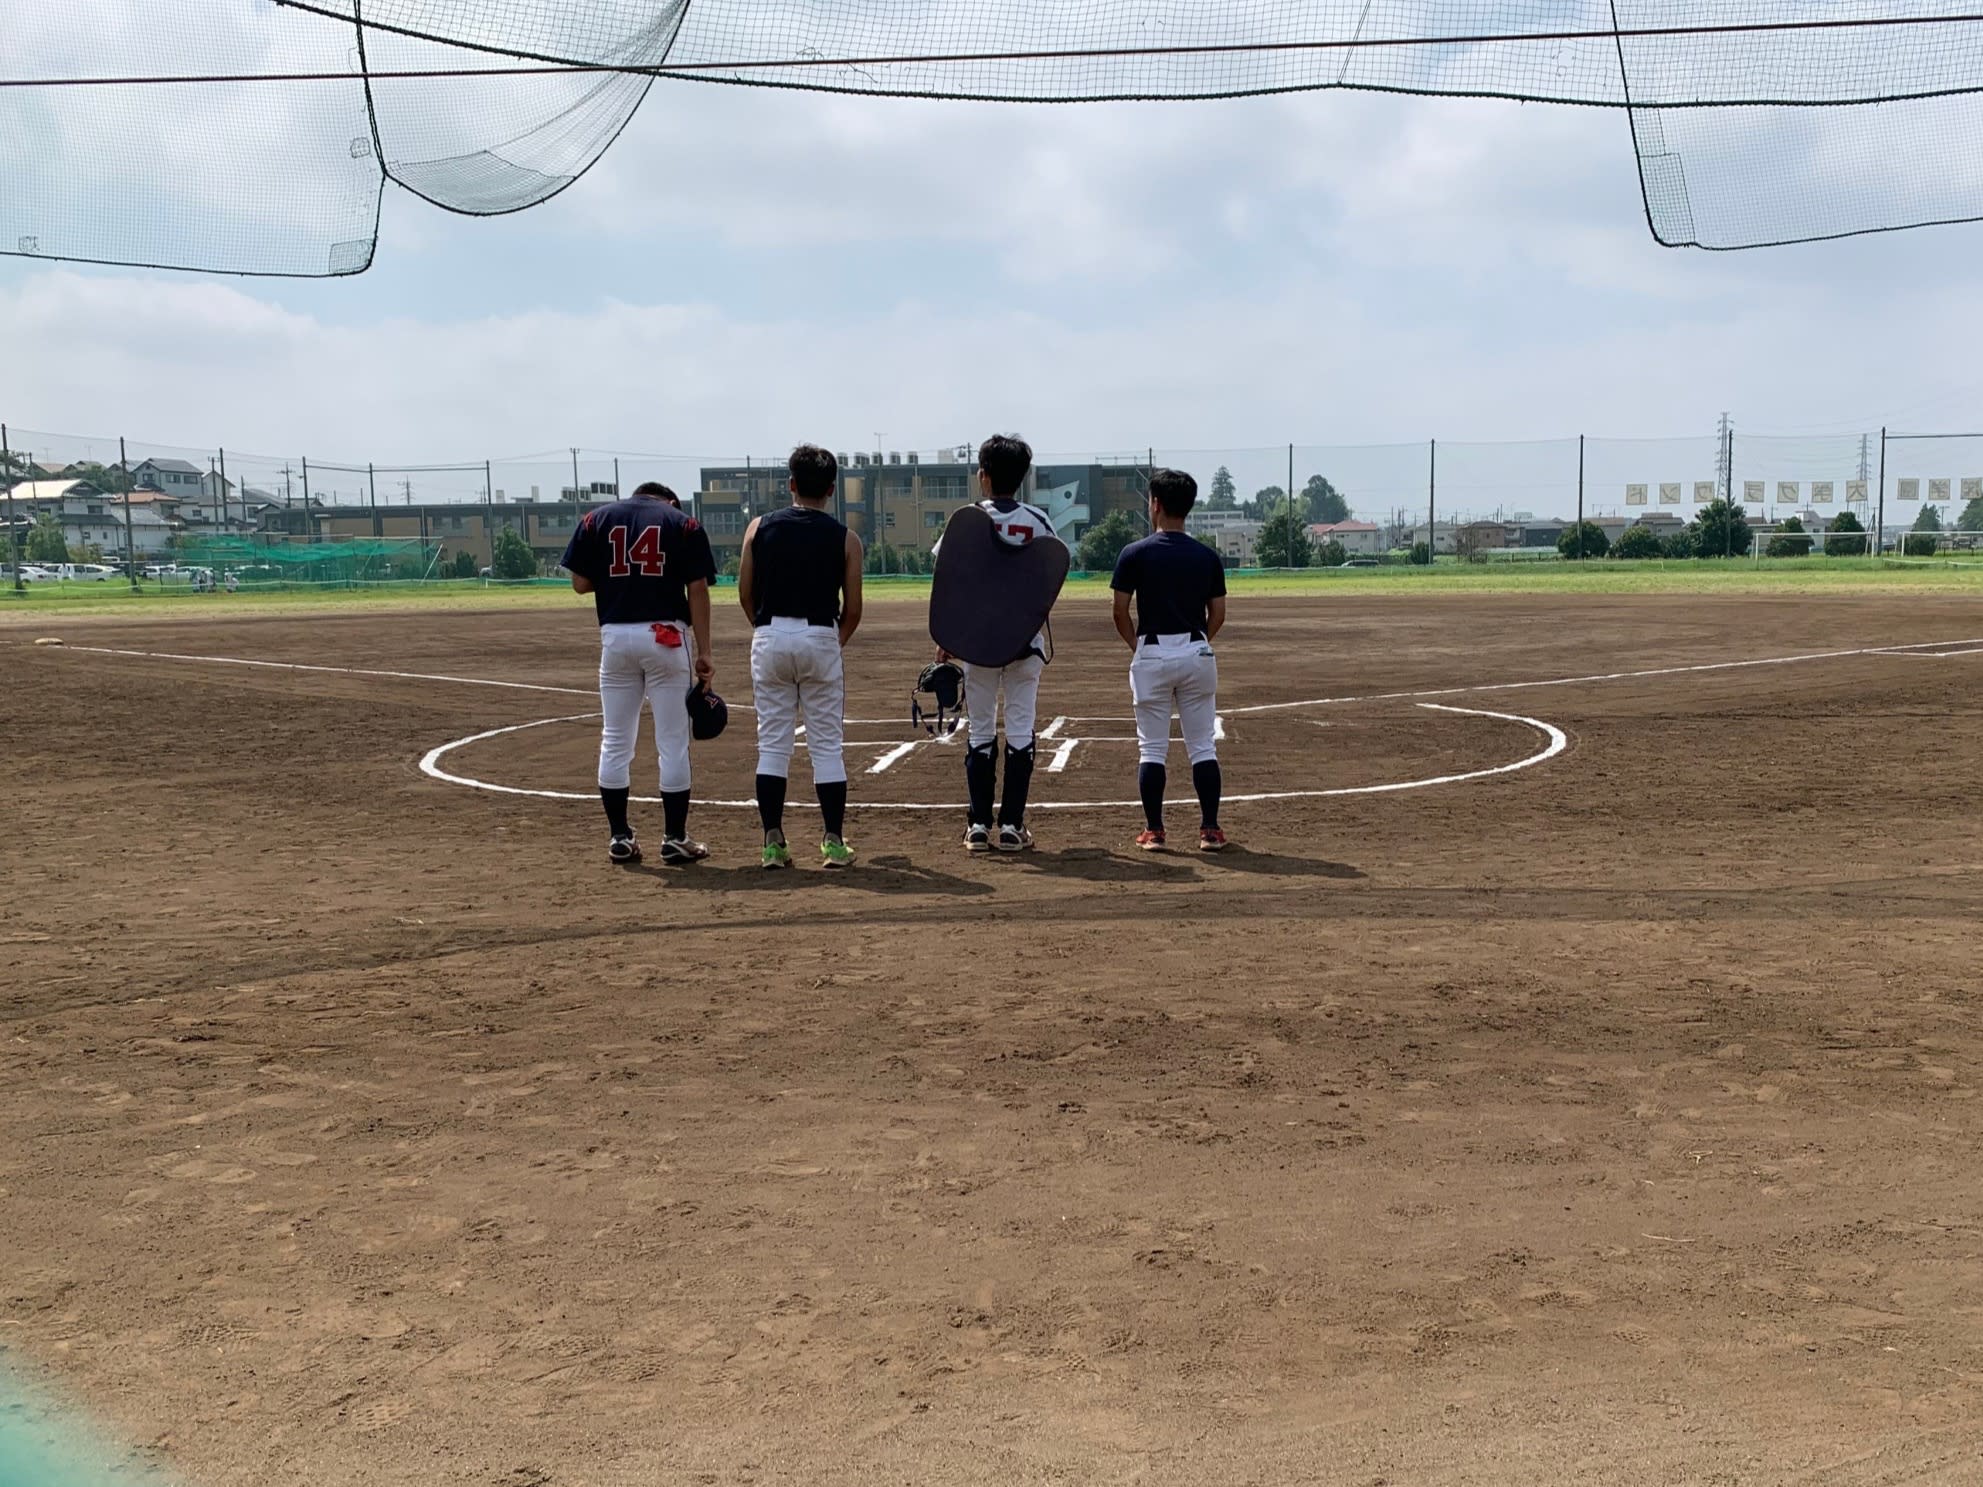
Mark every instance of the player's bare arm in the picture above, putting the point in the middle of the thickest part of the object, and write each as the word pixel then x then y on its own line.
pixel 1215 617
pixel 698 596
pixel 746 576
pixel 850 588
pixel 580 584
pixel 1126 627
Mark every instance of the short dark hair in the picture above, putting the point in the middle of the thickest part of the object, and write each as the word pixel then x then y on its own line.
pixel 1005 458
pixel 656 488
pixel 1173 490
pixel 814 471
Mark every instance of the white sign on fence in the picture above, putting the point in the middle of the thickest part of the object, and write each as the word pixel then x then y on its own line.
pixel 1703 491
pixel 1669 493
pixel 1908 490
pixel 1786 492
pixel 1938 490
pixel 1972 488
pixel 1635 495
pixel 1855 492
pixel 1752 492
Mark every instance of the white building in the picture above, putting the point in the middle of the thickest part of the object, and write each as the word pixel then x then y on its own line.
pixel 92 517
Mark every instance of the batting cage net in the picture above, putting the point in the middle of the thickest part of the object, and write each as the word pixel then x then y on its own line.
pixel 251 137
pixel 273 561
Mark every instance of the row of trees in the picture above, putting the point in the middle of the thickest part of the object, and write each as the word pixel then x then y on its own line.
pixel 1717 530
pixel 1319 500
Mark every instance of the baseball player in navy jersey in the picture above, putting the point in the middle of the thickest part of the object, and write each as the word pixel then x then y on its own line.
pixel 647 568
pixel 1003 464
pixel 800 582
pixel 1179 588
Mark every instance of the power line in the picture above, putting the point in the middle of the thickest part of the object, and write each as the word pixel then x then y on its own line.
pixel 1069 54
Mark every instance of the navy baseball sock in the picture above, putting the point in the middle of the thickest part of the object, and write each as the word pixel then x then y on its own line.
pixel 615 802
pixel 675 814
pixel 1018 781
pixel 1206 780
pixel 981 779
pixel 833 805
pixel 771 801
pixel 1150 785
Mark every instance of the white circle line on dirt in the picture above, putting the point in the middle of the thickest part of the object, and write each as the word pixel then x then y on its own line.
pixel 1557 742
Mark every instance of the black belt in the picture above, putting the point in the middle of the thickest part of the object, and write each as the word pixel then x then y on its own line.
pixel 1152 635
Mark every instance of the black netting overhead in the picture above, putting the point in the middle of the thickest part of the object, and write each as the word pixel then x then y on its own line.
pixel 1755 121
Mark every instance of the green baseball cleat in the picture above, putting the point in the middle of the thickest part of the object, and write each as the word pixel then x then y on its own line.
pixel 835 853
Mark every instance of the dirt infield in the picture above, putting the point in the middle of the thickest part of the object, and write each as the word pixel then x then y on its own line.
pixel 1611 1119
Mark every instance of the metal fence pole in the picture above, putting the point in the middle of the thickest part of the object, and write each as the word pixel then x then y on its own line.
pixel 1880 521
pixel 1580 498
pixel 130 548
pixel 372 499
pixel 309 517
pixel 13 531
pixel 225 514
pixel 1432 505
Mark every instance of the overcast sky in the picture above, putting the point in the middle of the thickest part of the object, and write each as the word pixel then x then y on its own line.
pixel 747 268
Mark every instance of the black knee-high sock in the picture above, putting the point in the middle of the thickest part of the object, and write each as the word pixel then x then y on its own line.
pixel 771 801
pixel 1150 785
pixel 833 805
pixel 675 813
pixel 1018 781
pixel 615 802
pixel 981 780
pixel 1206 780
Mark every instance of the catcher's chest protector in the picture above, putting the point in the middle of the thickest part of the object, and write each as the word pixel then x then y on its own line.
pixel 989 598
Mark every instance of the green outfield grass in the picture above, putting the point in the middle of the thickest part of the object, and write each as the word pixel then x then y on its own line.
pixel 1686 576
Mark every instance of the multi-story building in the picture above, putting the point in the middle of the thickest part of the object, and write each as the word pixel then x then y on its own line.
pixel 91 517
pixel 546 526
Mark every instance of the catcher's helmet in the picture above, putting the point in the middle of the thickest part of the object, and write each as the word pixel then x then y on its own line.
pixel 944 681
pixel 709 714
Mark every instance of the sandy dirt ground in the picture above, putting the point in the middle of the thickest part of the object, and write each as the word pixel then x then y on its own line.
pixel 1609 1120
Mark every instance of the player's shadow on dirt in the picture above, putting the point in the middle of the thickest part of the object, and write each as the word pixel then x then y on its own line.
pixel 886 875
pixel 1270 864
pixel 1099 865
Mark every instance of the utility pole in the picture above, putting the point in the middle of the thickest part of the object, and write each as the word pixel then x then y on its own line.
pixel 224 513
pixel 130 547
pixel 406 486
pixel 13 532
pixel 1432 505
pixel 574 487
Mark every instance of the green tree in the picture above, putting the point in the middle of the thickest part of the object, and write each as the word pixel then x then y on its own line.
pixel 1224 495
pixel 1331 554
pixel 464 564
pixel 1682 544
pixel 1103 543
pixel 1284 541
pixel 1637 542
pixel 1266 501
pixel 1208 540
pixel 1583 540
pixel 1721 529
pixel 1790 541
pixel 103 477
pixel 1421 554
pixel 1323 501
pixel 1852 544
pixel 514 559
pixel 1919 544
pixel 1971 519
pixel 1930 519
pixel 45 541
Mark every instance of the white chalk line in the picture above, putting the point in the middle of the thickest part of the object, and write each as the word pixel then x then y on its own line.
pixel 404 676
pixel 1604 676
pixel 1557 742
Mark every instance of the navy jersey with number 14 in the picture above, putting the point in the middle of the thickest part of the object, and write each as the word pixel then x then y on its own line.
pixel 640 556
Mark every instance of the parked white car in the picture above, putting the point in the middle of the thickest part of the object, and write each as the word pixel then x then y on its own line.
pixel 94 572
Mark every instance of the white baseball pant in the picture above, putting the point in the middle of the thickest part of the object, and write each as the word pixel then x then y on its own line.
pixel 1020 684
pixel 1174 672
pixel 635 667
pixel 796 677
